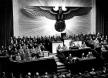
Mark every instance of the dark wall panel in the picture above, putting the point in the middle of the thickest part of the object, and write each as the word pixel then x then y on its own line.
pixel 99 17
pixel 102 16
pixel 5 21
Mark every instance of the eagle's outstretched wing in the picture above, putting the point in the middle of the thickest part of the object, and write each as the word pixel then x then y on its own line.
pixel 75 11
pixel 34 11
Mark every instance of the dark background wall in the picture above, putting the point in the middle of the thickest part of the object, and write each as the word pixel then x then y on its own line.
pixel 6 26
pixel 102 16
pixel 99 17
pixel 6 19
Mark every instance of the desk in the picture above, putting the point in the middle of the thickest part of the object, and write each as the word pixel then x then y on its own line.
pixel 85 59
pixel 41 65
pixel 81 64
pixel 75 52
pixel 85 65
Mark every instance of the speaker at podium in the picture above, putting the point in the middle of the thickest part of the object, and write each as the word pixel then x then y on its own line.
pixel 63 35
pixel 55 45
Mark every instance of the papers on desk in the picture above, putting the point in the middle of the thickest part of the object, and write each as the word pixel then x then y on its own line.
pixel 84 47
pixel 86 58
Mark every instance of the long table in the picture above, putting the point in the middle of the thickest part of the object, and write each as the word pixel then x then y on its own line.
pixel 76 52
pixel 41 65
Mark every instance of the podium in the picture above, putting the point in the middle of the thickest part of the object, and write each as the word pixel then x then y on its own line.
pixel 45 53
pixel 55 45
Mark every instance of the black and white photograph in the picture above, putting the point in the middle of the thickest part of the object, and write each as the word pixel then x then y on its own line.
pixel 53 39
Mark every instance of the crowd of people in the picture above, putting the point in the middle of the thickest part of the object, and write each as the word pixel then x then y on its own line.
pixel 27 47
pixel 32 48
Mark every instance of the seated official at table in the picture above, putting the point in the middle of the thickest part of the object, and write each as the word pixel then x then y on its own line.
pixel 42 47
pixel 18 57
pixel 59 48
pixel 64 47
pixel 71 59
pixel 83 55
pixel 103 48
pixel 83 45
pixel 90 54
pixel 73 46
pixel 70 56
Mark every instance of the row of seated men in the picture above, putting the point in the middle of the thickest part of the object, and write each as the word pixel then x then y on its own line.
pixel 100 47
pixel 15 44
pixel 46 39
pixel 71 46
pixel 91 38
pixel 24 52
pixel 73 59
pixel 29 40
pixel 100 73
